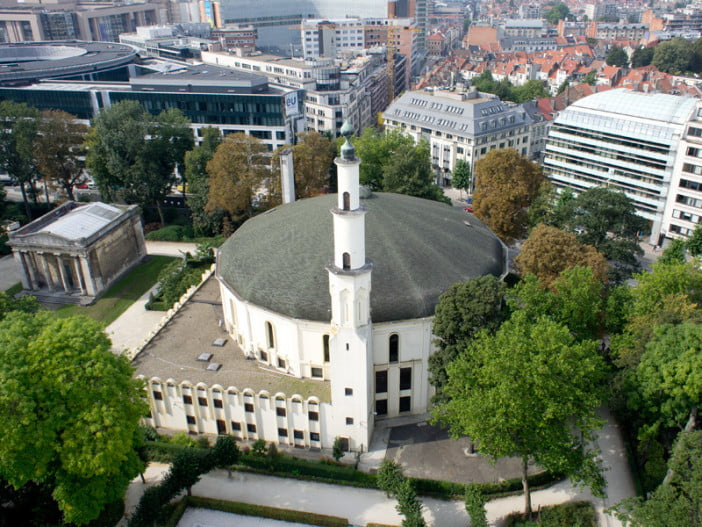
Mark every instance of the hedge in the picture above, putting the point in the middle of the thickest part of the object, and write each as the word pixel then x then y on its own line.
pixel 261 511
pixel 573 514
pixel 164 452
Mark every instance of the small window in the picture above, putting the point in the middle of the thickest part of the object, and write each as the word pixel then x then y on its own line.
pixel 381 381
pixel 314 436
pixel 298 434
pixel 317 373
pixel 221 427
pixel 190 419
pixel 248 407
pixel 202 401
pixel 346 259
pixel 280 412
pixel 157 395
pixel 281 363
pixel 349 420
pixel 250 428
pixel 394 351
pixel 314 416
pixel 405 378
pixel 283 432
pixel 348 391
pixel 325 346
pixel 269 335
pixel 381 407
pixel 263 355
pixel 405 404
pixel 236 426
pixel 217 403
pixel 187 399
pixel 347 201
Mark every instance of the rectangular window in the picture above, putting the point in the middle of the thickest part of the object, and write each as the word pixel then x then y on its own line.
pixel 236 426
pixel 283 432
pixel 381 407
pixel 202 401
pixel 190 419
pixel 314 436
pixel 217 403
pixel 695 132
pixel 317 373
pixel 281 363
pixel 405 404
pixel 381 381
pixel 314 416
pixel 298 434
pixel 405 378
pixel 325 346
pixel 157 395
pixel 349 420
pixel 263 355
pixel 251 428
pixel 348 391
pixel 248 407
pixel 221 427
pixel 187 399
pixel 280 412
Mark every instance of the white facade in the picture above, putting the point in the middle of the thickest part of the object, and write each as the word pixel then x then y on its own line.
pixel 625 140
pixel 329 38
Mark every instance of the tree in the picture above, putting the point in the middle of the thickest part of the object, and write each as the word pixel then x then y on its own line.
pixel 204 223
pixel 226 453
pixel 475 500
pixel 528 391
pixel 694 242
pixel 337 449
pixel 18 132
pixel 617 57
pixel 563 87
pixel 25 304
pixel 389 477
pixel 533 89
pixel 642 57
pixel 548 251
pixel 675 253
pixel 461 175
pixel 673 56
pixel 464 310
pixel 375 150
pixel 558 12
pixel 132 155
pixel 312 161
pixel 505 185
pixel 238 173
pixel 409 172
pixel 590 78
pixel 70 411
pixel 607 220
pixel 59 149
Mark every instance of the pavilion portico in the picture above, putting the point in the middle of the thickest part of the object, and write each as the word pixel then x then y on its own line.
pixel 73 253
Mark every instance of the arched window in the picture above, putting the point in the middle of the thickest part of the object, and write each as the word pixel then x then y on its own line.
pixel 325 347
pixel 269 335
pixel 394 354
pixel 347 201
pixel 346 261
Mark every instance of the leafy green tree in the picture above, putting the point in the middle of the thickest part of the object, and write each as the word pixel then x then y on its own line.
pixel 337 449
pixel 188 465
pixel 25 304
pixel 226 452
pixel 563 87
pixel 408 505
pixel 590 78
pixel 389 477
pixel 466 24
pixel 528 391
pixel 694 242
pixel 18 133
pixel 375 149
pixel 409 172
pixel 675 253
pixel 59 149
pixel 533 89
pixel 197 178
pixel 617 57
pixel 558 12
pixel 461 175
pixel 70 411
pixel 464 310
pixel 607 220
pixel 506 183
pixel 642 56
pixel 673 56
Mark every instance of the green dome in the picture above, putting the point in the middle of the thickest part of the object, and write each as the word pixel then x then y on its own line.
pixel 418 249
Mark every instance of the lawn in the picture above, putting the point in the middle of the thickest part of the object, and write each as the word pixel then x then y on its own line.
pixel 12 291
pixel 121 295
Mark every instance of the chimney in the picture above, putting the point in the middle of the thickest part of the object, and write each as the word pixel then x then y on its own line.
pixel 287 175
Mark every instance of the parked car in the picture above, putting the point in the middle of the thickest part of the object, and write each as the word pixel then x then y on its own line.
pixel 469 209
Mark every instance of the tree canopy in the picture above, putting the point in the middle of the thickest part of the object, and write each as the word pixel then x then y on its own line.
pixel 461 175
pixel 70 411
pixel 408 172
pixel 375 149
pixel 617 57
pixel 312 162
pixel 558 12
pixel 528 391
pixel 642 56
pixel 674 56
pixel 204 223
pixel 506 183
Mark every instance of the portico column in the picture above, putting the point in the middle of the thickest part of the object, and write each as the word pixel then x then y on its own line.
pixel 31 272
pixel 62 273
pixel 79 274
pixel 18 256
pixel 89 284
pixel 47 272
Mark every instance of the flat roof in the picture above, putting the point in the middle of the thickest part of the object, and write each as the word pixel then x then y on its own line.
pixel 173 353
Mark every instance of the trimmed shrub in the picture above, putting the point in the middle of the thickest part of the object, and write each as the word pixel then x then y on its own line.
pixel 170 233
pixel 574 514
pixel 389 477
pixel 475 505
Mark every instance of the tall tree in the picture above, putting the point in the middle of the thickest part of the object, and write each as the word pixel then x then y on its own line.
pixel 60 150
pixel 70 411
pixel 548 251
pixel 694 242
pixel 557 12
pixel 204 223
pixel 312 161
pixel 464 310
pixel 530 90
pixel 617 57
pixel 642 56
pixel 238 173
pixel 506 183
pixel 375 150
pixel 409 172
pixel 673 56
pixel 18 133
pixel 461 175
pixel 529 391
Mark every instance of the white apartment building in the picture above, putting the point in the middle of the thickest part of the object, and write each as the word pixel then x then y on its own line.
pixel 330 38
pixel 628 141
pixel 460 126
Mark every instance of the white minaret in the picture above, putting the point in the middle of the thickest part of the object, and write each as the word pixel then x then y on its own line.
pixel 350 286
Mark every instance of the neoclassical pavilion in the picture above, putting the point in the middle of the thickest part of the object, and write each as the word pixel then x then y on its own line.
pixel 76 251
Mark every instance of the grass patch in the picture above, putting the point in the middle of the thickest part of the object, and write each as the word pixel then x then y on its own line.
pixel 121 295
pixel 14 289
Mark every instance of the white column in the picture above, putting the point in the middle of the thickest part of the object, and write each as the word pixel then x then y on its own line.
pixel 87 275
pixel 47 272
pixel 24 275
pixel 79 274
pixel 62 273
